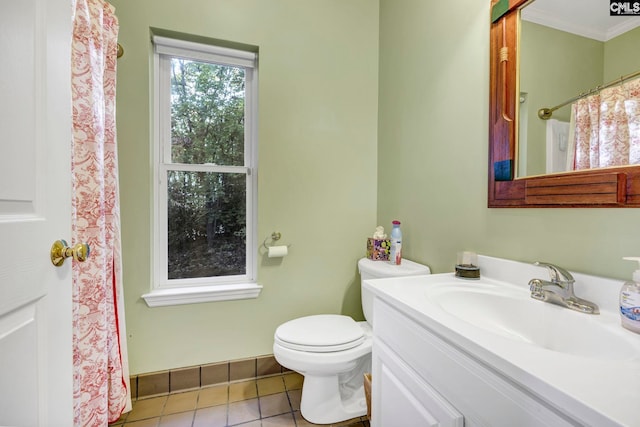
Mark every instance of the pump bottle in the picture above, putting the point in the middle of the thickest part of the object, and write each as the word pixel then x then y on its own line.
pixel 630 301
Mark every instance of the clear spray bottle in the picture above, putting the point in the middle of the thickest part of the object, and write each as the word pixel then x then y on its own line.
pixel 395 256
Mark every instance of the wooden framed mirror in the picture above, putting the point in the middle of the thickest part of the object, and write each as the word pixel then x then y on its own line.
pixel 608 187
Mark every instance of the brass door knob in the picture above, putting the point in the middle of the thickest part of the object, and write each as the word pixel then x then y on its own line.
pixel 61 251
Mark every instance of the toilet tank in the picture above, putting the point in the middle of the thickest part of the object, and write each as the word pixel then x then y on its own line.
pixel 381 269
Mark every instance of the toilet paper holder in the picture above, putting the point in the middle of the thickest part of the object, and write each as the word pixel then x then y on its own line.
pixel 275 236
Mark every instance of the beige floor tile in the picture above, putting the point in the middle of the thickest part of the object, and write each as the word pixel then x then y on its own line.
pixel 212 396
pixel 147 408
pixel 215 416
pixel 270 385
pixel 183 419
pixel 243 412
pixel 274 404
pixel 355 422
pixel 301 422
pixel 284 420
pixel 150 422
pixel 293 380
pixel 242 391
pixel 245 408
pixel 294 398
pixel 181 402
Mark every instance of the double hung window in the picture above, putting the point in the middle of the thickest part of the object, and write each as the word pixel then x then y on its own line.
pixel 205 171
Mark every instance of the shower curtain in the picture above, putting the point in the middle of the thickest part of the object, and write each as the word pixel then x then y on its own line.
pixel 101 374
pixel 606 127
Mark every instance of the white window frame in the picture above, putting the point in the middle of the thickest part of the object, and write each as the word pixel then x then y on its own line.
pixel 165 291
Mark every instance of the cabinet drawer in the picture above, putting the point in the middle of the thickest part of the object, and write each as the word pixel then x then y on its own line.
pixel 484 396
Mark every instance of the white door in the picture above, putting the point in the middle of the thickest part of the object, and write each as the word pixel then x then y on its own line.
pixel 36 380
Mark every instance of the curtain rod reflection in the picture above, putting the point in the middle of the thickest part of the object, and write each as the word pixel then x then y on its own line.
pixel 120 50
pixel 546 113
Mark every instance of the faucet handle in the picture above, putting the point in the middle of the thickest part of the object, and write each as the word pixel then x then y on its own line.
pixel 558 274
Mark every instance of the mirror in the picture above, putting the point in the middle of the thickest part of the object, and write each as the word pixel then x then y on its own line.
pixel 566 48
pixel 612 187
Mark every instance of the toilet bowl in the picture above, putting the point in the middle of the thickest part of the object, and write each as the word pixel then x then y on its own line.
pixel 333 352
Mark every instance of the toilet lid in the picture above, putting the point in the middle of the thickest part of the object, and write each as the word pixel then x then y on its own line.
pixel 320 333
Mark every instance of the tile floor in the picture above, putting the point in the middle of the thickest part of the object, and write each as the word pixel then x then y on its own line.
pixel 264 402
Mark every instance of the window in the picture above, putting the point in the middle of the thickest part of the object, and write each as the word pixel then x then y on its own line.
pixel 205 173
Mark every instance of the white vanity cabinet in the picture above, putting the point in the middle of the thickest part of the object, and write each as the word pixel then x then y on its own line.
pixel 421 379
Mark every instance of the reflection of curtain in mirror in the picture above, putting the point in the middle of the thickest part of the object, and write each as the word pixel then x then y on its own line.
pixel 606 127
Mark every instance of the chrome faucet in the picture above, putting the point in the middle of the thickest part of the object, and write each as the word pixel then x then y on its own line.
pixel 559 290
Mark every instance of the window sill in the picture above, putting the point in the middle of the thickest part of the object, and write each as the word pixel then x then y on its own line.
pixel 198 294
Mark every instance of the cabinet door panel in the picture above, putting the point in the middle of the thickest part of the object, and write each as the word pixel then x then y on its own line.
pixel 402 398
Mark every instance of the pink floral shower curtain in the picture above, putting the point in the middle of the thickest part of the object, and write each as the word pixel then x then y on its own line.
pixel 101 377
pixel 606 127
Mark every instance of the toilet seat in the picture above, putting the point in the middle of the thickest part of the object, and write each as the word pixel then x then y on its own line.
pixel 321 333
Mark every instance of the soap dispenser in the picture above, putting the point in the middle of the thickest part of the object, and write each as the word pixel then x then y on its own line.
pixel 630 301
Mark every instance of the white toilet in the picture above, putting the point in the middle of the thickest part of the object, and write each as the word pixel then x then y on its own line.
pixel 333 352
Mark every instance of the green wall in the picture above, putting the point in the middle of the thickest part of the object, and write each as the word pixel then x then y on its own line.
pixel 318 100
pixel 433 153
pixel 621 55
pixel 554 66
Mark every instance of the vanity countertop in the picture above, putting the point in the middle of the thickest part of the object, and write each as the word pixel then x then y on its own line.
pixel 598 387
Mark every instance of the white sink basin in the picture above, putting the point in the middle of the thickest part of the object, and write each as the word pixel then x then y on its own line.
pixel 509 311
